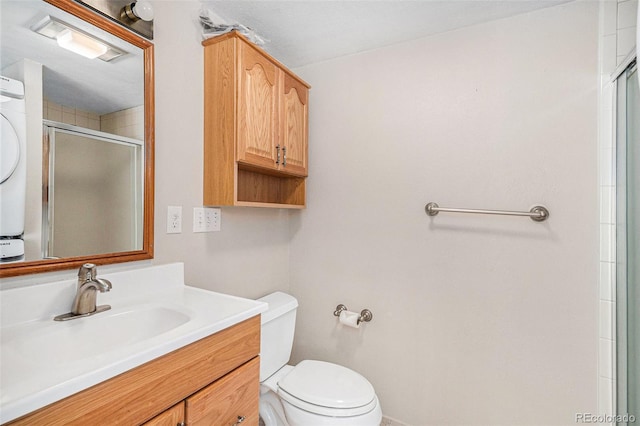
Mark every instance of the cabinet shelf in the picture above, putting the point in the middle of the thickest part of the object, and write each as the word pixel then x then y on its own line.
pixel 264 190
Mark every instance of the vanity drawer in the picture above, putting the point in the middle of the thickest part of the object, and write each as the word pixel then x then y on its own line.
pixel 140 394
pixel 172 417
pixel 226 401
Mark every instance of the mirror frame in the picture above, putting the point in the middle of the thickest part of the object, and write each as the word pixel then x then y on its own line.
pixel 49 265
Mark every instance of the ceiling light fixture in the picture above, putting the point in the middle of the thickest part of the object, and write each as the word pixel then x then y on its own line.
pixel 75 40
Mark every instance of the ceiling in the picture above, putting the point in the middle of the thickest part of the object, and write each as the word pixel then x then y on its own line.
pixel 69 79
pixel 303 32
pixel 298 32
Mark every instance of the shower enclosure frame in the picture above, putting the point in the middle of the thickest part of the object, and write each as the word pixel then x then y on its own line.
pixel 50 128
pixel 622 365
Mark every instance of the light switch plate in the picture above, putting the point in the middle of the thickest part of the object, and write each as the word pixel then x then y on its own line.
pixel 213 219
pixel 206 219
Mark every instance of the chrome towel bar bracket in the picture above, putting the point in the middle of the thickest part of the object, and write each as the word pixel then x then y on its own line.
pixel 537 213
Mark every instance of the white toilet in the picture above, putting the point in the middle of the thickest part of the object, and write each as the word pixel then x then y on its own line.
pixel 313 393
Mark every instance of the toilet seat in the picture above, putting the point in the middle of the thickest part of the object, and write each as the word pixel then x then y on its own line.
pixel 327 389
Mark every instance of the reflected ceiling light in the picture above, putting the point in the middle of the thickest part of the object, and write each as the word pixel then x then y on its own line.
pixel 81 44
pixel 138 10
pixel 75 40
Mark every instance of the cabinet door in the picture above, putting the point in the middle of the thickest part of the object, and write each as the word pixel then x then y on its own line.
pixel 229 399
pixel 295 111
pixel 257 109
pixel 172 417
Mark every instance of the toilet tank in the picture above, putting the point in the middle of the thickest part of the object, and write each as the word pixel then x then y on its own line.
pixel 276 334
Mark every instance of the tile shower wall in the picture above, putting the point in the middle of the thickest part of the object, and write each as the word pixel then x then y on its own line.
pixel 56 112
pixel 127 122
pixel 627 12
pixel 617 41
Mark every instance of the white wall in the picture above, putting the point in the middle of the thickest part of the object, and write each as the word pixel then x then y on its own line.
pixel 250 256
pixel 477 320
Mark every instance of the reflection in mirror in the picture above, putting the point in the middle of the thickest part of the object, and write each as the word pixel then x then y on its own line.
pixel 94 203
pixel 81 136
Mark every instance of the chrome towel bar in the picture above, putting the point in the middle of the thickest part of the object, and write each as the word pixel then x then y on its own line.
pixel 537 213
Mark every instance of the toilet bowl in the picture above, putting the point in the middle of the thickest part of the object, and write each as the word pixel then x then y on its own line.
pixel 312 393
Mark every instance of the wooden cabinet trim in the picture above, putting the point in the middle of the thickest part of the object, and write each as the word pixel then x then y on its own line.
pixel 219 123
pixel 140 394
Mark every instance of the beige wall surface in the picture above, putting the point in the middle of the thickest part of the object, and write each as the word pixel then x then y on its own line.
pixel 478 320
pixel 250 256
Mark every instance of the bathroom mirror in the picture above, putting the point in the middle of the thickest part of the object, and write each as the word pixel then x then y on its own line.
pixel 89 136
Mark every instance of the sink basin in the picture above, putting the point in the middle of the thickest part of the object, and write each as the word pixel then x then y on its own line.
pixel 153 313
pixel 90 336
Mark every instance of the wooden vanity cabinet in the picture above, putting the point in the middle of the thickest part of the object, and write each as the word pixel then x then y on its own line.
pixel 229 400
pixel 255 127
pixel 209 382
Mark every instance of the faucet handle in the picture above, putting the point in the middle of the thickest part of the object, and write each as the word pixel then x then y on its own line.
pixel 87 272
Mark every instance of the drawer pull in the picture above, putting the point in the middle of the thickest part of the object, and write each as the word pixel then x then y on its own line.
pixel 240 420
pixel 277 154
pixel 284 156
pixel 181 424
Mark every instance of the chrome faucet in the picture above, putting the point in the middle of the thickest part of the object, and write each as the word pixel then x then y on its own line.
pixel 84 304
pixel 88 287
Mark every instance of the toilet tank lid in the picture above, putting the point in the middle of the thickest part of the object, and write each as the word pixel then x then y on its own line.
pixel 279 304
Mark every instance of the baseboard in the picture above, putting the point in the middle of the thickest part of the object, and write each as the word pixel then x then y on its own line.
pixel 388 421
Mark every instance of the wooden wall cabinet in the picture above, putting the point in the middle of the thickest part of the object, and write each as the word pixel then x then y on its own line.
pixel 255 127
pixel 209 382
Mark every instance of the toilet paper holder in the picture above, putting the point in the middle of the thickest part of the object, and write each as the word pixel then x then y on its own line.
pixel 365 315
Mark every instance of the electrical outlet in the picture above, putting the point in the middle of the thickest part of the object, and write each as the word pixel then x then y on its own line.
pixel 206 219
pixel 174 219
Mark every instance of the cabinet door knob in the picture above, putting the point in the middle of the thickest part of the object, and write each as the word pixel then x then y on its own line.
pixel 277 154
pixel 240 420
pixel 284 156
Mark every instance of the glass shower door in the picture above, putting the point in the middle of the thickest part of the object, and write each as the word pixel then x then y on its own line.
pixel 94 192
pixel 628 244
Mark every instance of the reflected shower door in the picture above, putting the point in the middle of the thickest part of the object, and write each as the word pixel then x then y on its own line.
pixel 94 203
pixel 628 244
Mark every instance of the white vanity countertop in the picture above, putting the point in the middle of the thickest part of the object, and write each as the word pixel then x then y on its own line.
pixel 153 313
